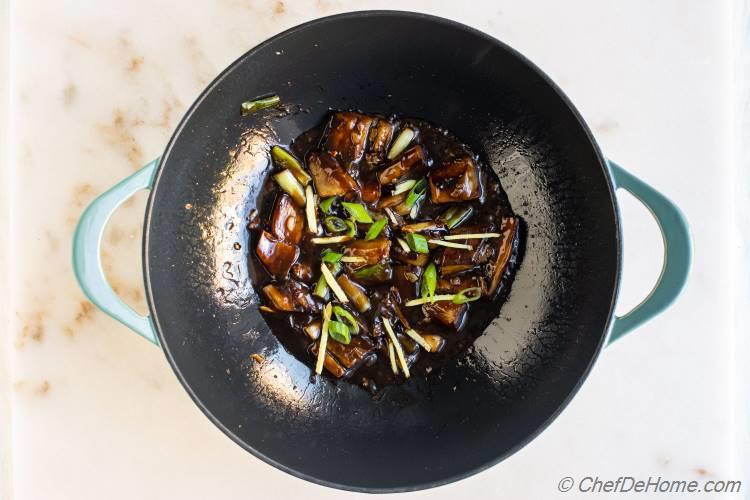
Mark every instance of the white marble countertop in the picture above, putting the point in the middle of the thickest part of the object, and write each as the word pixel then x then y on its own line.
pixel 89 410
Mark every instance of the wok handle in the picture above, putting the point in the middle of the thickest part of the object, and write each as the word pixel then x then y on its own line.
pixel 87 261
pixel 677 252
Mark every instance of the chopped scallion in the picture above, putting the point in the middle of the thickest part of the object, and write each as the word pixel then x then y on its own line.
pixel 346 317
pixel 249 107
pixel 339 332
pixel 417 243
pixel 375 229
pixel 291 186
pixel 358 212
pixel 335 224
pixel 399 145
pixel 429 281
pixel 284 159
pixel 326 204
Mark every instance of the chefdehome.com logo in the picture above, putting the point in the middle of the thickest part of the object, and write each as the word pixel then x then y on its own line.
pixel 651 484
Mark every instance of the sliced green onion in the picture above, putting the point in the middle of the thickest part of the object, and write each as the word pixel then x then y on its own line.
pixel 284 159
pixel 358 212
pixel 249 107
pixel 378 272
pixel 414 211
pixel 326 204
pixel 403 187
pixel 424 300
pixel 352 233
pixel 402 140
pixel 392 357
pixel 419 339
pixel 416 192
pixel 311 210
pixel 323 339
pixel 335 224
pixel 403 244
pixel 397 346
pixel 451 244
pixel 337 291
pixel 467 295
pixel 471 236
pixel 455 215
pixel 321 287
pixel 328 240
pixel 329 255
pixel 417 243
pixel 291 186
pixel 339 332
pixel 375 229
pixel 429 281
pixel 391 216
pixel 346 317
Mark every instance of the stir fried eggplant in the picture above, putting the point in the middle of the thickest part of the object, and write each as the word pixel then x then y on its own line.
pixel 372 270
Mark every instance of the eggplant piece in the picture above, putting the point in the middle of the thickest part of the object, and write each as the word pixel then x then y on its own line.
pixel 406 281
pixel 446 312
pixel 370 192
pixel 329 176
pixel 427 226
pixel 290 297
pixel 347 136
pixel 380 137
pixel 302 272
pixel 355 293
pixel 373 251
pixel 503 251
pixel 353 354
pixel 329 362
pixel 436 342
pixel 456 180
pixel 411 258
pixel 458 282
pixel 276 255
pixel 457 260
pixel 411 161
pixel 392 201
pixel 287 221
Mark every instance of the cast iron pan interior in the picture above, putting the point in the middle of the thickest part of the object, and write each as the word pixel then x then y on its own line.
pixel 528 363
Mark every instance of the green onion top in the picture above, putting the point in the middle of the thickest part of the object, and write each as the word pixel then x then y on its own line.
pixel 376 228
pixel 416 192
pixel 345 316
pixel 352 228
pixel 467 295
pixel 417 243
pixel 335 224
pixel 358 212
pixel 249 107
pixel 339 332
pixel 330 256
pixel 429 281
pixel 325 205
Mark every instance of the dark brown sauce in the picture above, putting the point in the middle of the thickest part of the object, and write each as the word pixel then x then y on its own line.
pixel 488 210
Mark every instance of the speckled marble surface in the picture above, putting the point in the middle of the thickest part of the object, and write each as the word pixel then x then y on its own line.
pixel 92 411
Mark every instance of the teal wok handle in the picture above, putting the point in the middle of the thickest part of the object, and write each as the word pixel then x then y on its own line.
pixel 87 261
pixel 677 252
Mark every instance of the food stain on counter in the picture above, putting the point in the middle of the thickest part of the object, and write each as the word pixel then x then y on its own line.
pixel 119 134
pixel 33 328
pixel 69 94
pixel 607 126
pixel 135 64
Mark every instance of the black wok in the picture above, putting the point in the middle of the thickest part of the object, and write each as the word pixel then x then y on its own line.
pixel 528 363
